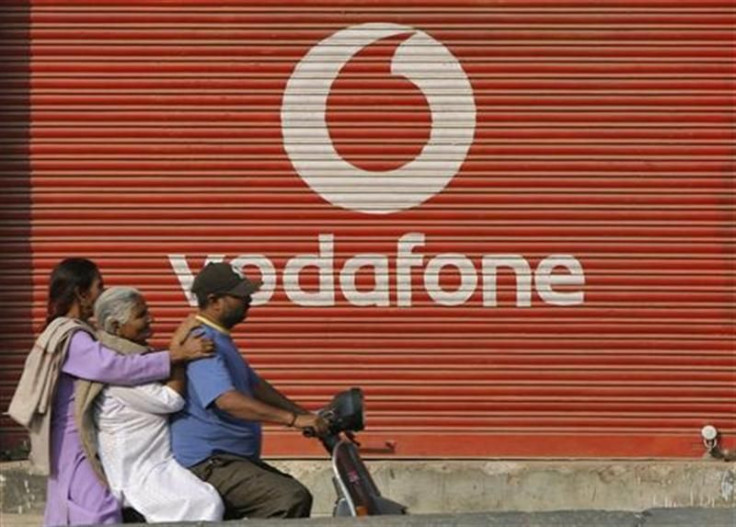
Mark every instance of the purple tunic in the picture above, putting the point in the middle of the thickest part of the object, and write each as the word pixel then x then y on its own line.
pixel 74 494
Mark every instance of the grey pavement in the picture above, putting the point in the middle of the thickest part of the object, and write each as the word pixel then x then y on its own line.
pixel 684 517
pixel 678 517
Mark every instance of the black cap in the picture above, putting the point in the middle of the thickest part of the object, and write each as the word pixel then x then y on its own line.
pixel 221 279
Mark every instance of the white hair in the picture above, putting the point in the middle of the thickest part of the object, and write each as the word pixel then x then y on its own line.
pixel 116 304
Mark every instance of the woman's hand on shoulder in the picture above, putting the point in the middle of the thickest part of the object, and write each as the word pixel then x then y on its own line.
pixel 185 327
pixel 187 346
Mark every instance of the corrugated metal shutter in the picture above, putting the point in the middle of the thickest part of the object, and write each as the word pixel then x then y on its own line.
pixel 603 131
pixel 16 266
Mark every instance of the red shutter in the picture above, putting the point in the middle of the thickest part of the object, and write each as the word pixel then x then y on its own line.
pixel 603 131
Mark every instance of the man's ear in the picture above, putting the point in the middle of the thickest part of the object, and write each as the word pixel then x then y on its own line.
pixel 115 326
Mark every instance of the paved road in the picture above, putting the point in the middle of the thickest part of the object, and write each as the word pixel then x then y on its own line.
pixel 650 518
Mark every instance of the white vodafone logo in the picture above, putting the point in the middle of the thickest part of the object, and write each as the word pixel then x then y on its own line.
pixel 422 60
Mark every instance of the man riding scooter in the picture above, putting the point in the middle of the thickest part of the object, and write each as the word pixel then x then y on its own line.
pixel 218 433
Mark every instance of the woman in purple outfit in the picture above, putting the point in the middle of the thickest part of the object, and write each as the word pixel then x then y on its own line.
pixel 44 401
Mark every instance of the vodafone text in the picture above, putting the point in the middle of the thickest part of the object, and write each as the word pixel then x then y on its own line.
pixel 558 279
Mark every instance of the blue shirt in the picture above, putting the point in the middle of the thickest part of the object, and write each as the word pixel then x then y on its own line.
pixel 201 430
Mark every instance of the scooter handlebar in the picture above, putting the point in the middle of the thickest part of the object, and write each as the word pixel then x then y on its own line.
pixel 309 432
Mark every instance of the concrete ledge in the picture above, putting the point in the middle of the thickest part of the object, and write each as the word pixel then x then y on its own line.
pixel 469 486
pixel 436 486
pixel 21 491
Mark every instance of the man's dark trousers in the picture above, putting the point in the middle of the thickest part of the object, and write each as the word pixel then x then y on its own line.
pixel 253 489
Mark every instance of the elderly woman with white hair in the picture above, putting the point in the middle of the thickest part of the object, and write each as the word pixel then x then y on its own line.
pixel 132 425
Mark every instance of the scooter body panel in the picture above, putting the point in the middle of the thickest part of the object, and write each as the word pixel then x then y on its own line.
pixel 358 494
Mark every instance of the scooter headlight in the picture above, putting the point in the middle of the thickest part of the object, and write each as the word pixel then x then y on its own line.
pixel 345 412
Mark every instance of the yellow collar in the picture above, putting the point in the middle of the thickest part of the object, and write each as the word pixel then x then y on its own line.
pixel 213 325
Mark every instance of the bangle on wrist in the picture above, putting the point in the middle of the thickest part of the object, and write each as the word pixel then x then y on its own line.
pixel 293 420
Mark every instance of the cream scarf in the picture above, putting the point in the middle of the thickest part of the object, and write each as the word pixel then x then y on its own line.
pixel 32 401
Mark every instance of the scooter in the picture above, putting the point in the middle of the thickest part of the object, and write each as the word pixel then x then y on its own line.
pixel 357 493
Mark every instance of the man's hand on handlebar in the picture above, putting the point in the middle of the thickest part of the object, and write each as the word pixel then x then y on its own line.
pixel 311 424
